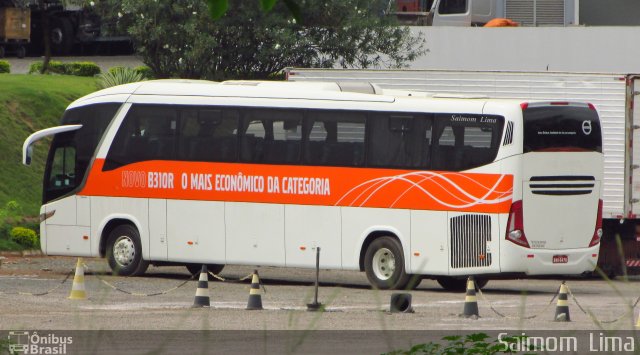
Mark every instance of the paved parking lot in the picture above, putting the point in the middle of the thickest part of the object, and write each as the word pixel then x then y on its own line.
pixel 350 303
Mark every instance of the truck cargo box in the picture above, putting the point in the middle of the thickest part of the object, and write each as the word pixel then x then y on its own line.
pixel 15 24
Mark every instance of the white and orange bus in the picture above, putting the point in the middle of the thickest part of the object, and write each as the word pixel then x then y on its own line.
pixel 400 185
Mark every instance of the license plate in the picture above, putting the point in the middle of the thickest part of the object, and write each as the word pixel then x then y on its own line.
pixel 560 259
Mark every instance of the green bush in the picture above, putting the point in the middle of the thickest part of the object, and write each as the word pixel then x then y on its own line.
pixel 82 69
pixel 73 68
pixel 25 237
pixel 118 76
pixel 5 67
pixel 145 71
pixel 113 70
pixel 55 67
pixel 35 68
pixel 9 214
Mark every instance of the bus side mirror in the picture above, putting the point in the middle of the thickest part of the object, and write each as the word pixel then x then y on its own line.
pixel 27 146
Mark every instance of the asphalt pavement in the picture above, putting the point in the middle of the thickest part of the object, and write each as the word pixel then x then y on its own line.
pixel 21 66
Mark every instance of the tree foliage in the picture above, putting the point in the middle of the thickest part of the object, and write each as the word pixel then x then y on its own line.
pixel 178 38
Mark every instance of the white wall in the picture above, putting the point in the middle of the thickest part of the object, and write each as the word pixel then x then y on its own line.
pixel 574 49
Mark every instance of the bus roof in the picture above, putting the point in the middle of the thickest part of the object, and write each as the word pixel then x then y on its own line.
pixel 245 89
pixel 316 91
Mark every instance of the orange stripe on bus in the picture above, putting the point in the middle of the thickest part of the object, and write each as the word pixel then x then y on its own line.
pixel 305 185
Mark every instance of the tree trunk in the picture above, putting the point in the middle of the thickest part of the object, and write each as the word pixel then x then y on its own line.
pixel 46 33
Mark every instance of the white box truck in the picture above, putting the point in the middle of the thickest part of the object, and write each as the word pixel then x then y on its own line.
pixel 479 12
pixel 615 96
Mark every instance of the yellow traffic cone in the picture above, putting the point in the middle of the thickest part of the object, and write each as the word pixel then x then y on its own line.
pixel 202 292
pixel 77 290
pixel 255 298
pixel 470 301
pixel 562 306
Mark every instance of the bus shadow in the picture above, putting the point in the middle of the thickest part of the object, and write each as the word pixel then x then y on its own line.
pixel 425 286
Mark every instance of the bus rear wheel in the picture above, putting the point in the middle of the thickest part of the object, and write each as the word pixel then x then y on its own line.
pixel 459 285
pixel 384 265
pixel 124 251
pixel 195 269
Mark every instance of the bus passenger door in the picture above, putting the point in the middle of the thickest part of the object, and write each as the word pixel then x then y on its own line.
pixel 158 230
pixel 309 227
pixel 429 243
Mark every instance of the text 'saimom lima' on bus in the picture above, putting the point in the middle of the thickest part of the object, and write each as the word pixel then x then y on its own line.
pixel 401 185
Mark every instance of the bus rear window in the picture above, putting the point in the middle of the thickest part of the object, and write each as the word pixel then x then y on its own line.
pixel 561 128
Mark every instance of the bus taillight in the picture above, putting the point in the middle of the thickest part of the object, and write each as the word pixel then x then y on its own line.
pixel 597 233
pixel 515 225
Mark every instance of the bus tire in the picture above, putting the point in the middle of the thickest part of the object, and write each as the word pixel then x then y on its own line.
pixel 459 285
pixel 384 265
pixel 194 269
pixel 124 251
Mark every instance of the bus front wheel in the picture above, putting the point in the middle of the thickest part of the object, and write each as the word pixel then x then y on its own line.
pixel 124 252
pixel 384 265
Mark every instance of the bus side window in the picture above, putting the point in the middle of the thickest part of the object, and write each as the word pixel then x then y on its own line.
pixel 406 140
pixel 208 135
pixel 272 136
pixel 444 145
pixel 147 133
pixel 465 143
pixel 63 168
pixel 335 138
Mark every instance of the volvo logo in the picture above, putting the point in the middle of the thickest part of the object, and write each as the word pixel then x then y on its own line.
pixel 586 127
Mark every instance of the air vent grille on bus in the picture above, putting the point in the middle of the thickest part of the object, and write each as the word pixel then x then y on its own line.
pixel 561 185
pixel 469 237
pixel 508 135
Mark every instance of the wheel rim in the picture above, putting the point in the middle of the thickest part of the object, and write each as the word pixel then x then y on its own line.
pixel 56 36
pixel 124 251
pixel 384 264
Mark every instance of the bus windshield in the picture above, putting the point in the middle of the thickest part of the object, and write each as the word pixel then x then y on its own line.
pixel 71 152
pixel 555 128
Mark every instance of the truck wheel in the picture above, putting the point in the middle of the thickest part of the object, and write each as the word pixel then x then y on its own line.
pixel 61 36
pixel 21 52
pixel 459 285
pixel 195 269
pixel 384 265
pixel 124 252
